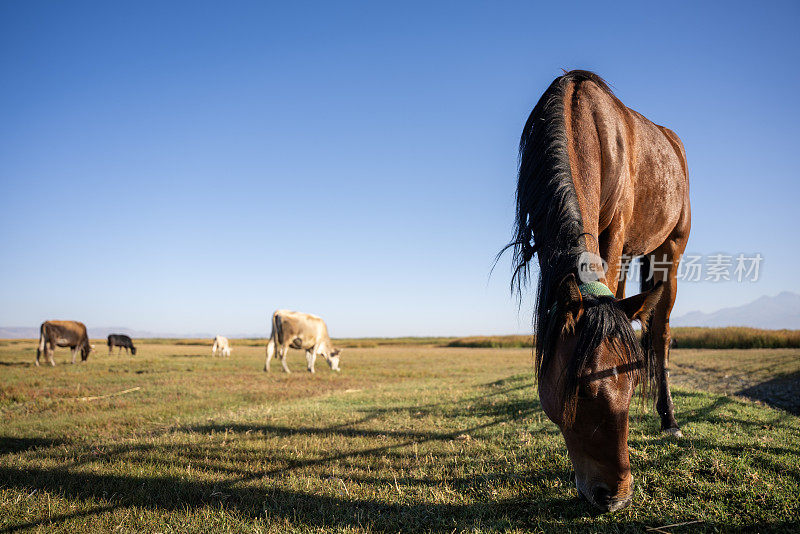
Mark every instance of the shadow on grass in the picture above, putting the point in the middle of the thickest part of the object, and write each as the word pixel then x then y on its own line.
pixel 257 493
pixel 311 510
pixel 780 392
pixel 10 445
pixel 539 502
pixel 719 411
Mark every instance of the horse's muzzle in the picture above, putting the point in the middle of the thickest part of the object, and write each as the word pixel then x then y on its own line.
pixel 602 499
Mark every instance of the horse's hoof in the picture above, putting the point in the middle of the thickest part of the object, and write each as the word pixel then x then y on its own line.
pixel 674 432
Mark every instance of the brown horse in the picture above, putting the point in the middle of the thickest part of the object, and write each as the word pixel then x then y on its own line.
pixel 597 181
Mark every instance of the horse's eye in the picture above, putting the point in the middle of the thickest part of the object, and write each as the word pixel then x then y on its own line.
pixel 585 391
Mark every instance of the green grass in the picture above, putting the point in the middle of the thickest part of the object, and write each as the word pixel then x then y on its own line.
pixel 406 438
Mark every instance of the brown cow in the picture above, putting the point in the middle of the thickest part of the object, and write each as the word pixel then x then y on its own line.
pixel 70 334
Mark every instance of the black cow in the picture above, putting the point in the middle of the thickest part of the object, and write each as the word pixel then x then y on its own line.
pixel 122 341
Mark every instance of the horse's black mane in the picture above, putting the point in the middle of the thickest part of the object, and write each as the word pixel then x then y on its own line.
pixel 549 224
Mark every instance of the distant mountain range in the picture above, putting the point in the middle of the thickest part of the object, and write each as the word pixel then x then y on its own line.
pixel 32 332
pixel 780 311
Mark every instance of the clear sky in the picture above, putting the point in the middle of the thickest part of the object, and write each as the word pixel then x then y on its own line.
pixel 192 166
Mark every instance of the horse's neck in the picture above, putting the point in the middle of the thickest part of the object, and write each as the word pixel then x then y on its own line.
pixel 595 125
pixel 590 195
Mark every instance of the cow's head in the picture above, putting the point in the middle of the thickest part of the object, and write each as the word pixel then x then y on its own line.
pixel 333 359
pixel 85 351
pixel 133 350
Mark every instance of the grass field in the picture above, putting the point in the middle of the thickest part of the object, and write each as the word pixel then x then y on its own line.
pixel 732 337
pixel 409 438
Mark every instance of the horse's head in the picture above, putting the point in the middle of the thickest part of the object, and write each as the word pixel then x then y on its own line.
pixel 586 383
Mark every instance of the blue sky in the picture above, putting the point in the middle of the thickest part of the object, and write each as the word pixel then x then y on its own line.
pixel 191 166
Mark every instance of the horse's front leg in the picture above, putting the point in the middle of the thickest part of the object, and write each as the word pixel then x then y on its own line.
pixel 665 268
pixel 611 243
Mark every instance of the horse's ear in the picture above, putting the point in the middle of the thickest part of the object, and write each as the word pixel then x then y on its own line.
pixel 569 303
pixel 639 307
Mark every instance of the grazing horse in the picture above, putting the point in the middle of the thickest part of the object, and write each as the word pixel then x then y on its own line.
pixel 598 181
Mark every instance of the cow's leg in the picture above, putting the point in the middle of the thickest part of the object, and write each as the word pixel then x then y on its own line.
pixel 42 347
pixel 284 350
pixel 311 357
pixel 270 353
pixel 74 353
pixel 109 349
pixel 50 349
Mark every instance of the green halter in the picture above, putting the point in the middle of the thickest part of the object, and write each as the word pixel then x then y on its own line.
pixel 595 289
pixel 589 289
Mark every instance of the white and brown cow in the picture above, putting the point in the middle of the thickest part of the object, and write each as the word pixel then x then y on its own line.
pixel 301 331
pixel 70 334
pixel 221 346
